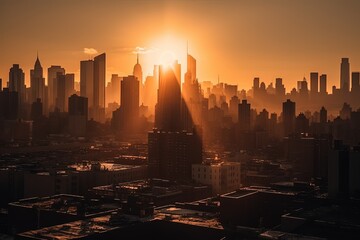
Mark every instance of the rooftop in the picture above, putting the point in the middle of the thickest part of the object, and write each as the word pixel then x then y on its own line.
pixel 187 216
pixel 64 203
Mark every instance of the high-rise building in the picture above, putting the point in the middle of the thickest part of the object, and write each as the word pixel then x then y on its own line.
pixel 78 111
pixel 9 104
pixel 60 92
pixel 92 85
pixel 323 115
pixel 99 87
pixel 0 84
pixel 279 87
pixel 36 109
pixel 345 75
pixel 137 72
pixel 323 84
pixel 53 71
pixel 37 82
pixel 288 113
pixel 129 102
pixel 233 108
pixel 69 88
pixel 167 116
pixel 314 83
pixel 17 82
pixel 171 154
pixel 355 84
pixel 244 115
pixel 87 81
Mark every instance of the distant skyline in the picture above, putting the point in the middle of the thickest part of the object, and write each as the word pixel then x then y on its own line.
pixel 237 40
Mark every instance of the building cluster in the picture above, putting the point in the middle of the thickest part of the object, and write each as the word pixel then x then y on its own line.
pixel 277 164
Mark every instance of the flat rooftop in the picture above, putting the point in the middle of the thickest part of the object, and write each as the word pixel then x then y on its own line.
pixel 72 230
pixel 239 193
pixel 187 216
pixel 65 203
pixel 87 166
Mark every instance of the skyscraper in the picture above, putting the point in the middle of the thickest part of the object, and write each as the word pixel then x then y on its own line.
pixel 129 103
pixel 323 84
pixel 17 82
pixel 69 88
pixel 87 81
pixel 92 85
pixel 167 117
pixel 323 115
pixel 171 154
pixel 355 77
pixel 244 115
pixel 52 85
pixel 60 92
pixel 37 82
pixel 99 87
pixel 137 72
pixel 314 83
pixel 279 87
pixel 345 75
pixel 288 112
pixel 78 111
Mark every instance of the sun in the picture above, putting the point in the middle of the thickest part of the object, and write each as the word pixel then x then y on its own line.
pixel 167 58
pixel 170 48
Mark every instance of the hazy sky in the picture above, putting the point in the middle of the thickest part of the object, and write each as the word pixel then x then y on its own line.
pixel 237 39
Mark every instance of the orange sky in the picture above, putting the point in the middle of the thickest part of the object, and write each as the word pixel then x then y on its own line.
pixel 237 39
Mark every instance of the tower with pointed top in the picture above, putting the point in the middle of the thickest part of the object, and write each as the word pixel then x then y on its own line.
pixel 137 72
pixel 37 82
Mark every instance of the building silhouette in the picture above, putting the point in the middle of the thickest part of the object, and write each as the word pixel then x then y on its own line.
pixel 53 71
pixel 314 83
pixel 171 154
pixel 355 84
pixel 244 116
pixel 78 114
pixel 92 85
pixel 288 112
pixel 137 72
pixel 167 116
pixel 37 82
pixel 345 75
pixel 17 84
pixel 323 84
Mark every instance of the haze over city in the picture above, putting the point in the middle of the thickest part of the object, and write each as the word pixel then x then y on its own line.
pixel 236 40
pixel 216 120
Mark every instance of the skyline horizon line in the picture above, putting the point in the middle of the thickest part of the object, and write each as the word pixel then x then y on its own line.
pixel 217 80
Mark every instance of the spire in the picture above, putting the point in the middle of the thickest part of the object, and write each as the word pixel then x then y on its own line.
pixel 137 57
pixel 187 47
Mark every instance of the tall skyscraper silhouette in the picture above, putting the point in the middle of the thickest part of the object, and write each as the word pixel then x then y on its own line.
pixel 137 72
pixel 99 87
pixel 244 115
pixel 78 111
pixel 191 97
pixel 167 117
pixel 17 81
pixel 288 112
pixel 345 75
pixel 129 103
pixel 314 83
pixel 92 85
pixel 53 72
pixel 323 85
pixel 87 81
pixel 37 82
pixel 323 115
pixel 355 84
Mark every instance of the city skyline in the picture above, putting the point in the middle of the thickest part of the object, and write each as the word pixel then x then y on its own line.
pixel 242 44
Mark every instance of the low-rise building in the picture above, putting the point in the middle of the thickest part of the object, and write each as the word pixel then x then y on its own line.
pixel 222 177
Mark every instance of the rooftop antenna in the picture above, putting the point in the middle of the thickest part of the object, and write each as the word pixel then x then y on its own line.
pixel 137 57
